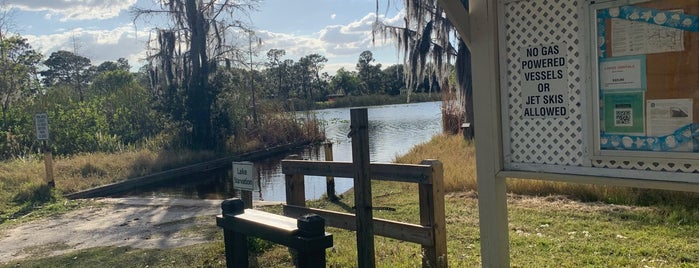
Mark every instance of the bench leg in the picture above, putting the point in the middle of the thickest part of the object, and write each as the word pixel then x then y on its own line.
pixel 311 259
pixel 236 249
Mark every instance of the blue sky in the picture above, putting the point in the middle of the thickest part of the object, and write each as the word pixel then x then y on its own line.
pixel 104 29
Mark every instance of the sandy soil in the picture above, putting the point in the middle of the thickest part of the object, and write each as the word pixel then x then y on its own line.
pixel 133 222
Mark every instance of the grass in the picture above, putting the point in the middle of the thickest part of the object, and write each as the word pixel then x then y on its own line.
pixel 458 157
pixel 23 189
pixel 544 232
pixel 571 228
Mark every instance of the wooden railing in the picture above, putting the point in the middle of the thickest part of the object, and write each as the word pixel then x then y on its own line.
pixel 430 233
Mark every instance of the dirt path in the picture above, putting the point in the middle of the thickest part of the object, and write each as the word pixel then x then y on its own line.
pixel 133 222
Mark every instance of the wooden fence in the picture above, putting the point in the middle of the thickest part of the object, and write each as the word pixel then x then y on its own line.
pixel 430 233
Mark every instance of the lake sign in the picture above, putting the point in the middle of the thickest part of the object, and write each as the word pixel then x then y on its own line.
pixel 42 126
pixel 243 176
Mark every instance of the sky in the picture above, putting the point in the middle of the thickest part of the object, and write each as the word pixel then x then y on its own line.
pixel 105 30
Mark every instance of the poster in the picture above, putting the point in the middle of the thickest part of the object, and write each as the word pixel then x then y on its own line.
pixel 545 91
pixel 668 115
pixel 623 73
pixel 636 37
pixel 624 112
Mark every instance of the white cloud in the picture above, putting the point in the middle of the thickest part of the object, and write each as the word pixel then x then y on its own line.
pixel 333 16
pixel 341 44
pixel 97 45
pixel 75 9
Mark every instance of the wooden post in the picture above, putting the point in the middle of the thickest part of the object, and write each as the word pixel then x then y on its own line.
pixel 329 180
pixel 48 164
pixel 311 226
pixel 236 244
pixel 359 132
pixel 492 191
pixel 247 198
pixel 432 213
pixel 295 187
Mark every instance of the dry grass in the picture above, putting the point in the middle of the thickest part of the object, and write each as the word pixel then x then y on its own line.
pixel 23 186
pixel 85 171
pixel 458 157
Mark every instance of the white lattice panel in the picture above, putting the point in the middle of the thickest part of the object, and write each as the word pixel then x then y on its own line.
pixel 558 141
pixel 655 165
pixel 555 141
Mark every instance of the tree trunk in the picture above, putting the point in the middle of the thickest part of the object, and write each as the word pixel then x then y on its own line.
pixel 199 100
pixel 465 81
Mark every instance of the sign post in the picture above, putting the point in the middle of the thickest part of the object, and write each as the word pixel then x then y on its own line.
pixel 41 122
pixel 243 181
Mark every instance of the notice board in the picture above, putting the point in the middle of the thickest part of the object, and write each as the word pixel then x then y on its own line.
pixel 648 76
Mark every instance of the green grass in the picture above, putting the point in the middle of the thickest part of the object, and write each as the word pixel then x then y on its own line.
pixel 544 232
pixel 644 227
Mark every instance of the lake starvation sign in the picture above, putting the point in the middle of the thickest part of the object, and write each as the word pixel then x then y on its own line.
pixel 243 176
pixel 544 81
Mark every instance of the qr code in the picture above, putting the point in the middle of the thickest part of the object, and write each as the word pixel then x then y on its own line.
pixel 623 117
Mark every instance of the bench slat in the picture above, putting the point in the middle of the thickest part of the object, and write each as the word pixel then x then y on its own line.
pixel 271 220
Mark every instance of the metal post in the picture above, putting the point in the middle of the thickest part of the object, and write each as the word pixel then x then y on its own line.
pixel 359 132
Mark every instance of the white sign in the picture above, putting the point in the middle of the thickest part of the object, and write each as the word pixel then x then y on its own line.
pixel 545 91
pixel 636 38
pixel 624 73
pixel 41 121
pixel 667 115
pixel 243 176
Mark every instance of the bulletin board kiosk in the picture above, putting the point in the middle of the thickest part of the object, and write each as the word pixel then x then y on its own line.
pixel 599 92
pixel 606 88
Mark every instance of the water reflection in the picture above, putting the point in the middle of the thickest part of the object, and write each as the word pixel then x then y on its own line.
pixel 393 130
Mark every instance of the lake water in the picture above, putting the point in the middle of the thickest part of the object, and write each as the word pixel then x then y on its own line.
pixel 393 130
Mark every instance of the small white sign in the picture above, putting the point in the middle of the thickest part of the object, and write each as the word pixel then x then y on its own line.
pixel 41 122
pixel 624 73
pixel 666 116
pixel 243 178
pixel 545 91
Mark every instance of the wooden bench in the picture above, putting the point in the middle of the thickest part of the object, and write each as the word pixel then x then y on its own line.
pixel 306 234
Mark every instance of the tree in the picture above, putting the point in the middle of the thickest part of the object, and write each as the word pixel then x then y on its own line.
pixel 18 68
pixel 187 54
pixel 429 38
pixel 111 81
pixel 370 75
pixel 309 67
pixel 287 70
pixel 68 68
pixel 120 64
pixel 275 62
pixel 345 82
pixel 393 80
